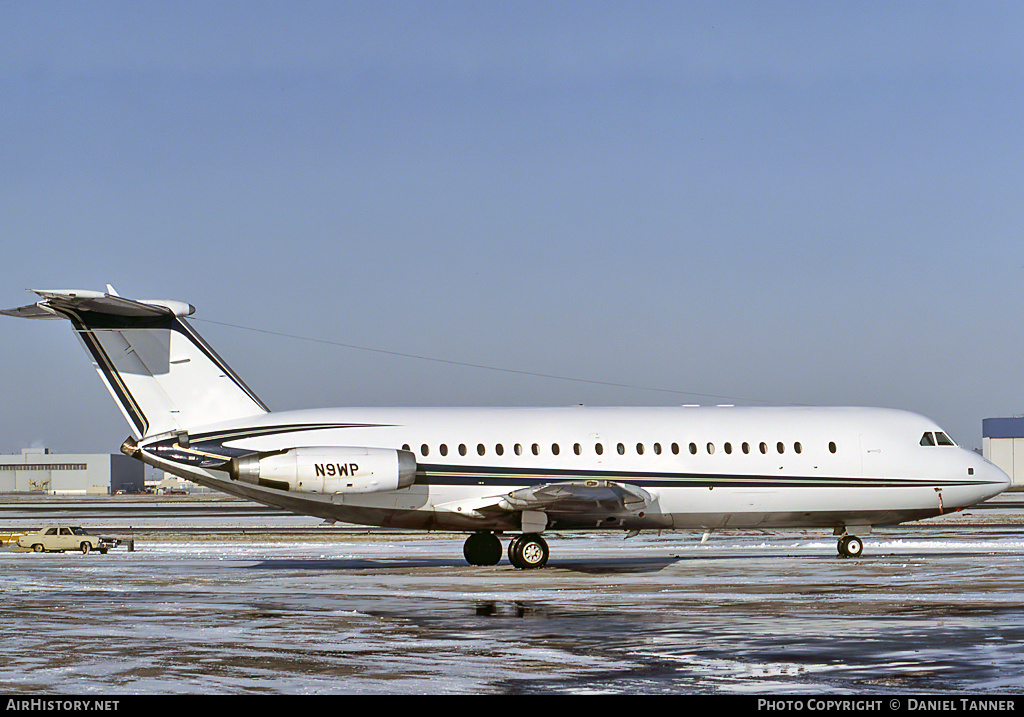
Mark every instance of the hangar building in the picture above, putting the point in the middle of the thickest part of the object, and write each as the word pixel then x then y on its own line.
pixel 1002 442
pixel 38 470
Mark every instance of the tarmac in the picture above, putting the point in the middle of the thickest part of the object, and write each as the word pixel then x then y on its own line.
pixel 218 598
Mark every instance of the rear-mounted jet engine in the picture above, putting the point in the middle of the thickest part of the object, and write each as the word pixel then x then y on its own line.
pixel 327 469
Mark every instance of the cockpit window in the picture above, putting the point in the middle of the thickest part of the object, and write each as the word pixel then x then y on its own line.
pixel 936 439
pixel 928 439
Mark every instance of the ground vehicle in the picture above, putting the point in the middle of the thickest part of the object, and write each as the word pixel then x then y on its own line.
pixel 64 537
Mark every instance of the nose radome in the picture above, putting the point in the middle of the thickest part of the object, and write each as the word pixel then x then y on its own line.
pixel 1003 477
pixel 992 474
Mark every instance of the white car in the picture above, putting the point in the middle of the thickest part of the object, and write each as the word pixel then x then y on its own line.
pixel 59 538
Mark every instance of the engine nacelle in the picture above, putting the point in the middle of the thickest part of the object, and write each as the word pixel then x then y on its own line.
pixel 328 469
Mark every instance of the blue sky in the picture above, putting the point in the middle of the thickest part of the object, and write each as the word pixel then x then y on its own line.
pixel 751 203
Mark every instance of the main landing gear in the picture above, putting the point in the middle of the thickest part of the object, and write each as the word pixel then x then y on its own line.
pixel 482 549
pixel 528 550
pixel 850 546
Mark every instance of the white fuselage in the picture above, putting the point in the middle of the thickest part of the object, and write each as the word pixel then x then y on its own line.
pixel 526 470
pixel 706 467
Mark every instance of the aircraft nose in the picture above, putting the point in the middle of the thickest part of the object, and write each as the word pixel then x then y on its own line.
pixel 1005 479
pixel 996 480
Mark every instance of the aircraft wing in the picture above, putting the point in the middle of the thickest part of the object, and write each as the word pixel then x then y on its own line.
pixel 567 499
pixel 578 498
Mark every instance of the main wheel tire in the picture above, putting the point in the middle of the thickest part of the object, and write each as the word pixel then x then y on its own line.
pixel 37 548
pixel 482 549
pixel 84 547
pixel 527 551
pixel 850 546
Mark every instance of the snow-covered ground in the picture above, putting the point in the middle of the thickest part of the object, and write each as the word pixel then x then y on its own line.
pixel 933 607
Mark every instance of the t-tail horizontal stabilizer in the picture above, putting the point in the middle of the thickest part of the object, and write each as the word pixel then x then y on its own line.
pixel 56 304
pixel 162 374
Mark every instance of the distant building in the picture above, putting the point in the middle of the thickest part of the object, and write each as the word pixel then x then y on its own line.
pixel 172 484
pixel 1002 442
pixel 38 470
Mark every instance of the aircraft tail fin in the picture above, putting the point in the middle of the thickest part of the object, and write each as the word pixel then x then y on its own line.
pixel 162 374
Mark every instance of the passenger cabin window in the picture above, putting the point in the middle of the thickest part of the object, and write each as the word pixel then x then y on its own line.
pixel 929 438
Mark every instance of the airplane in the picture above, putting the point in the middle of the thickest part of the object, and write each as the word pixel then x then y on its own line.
pixel 490 472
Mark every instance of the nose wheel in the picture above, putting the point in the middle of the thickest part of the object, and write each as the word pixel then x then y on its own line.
pixel 850 546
